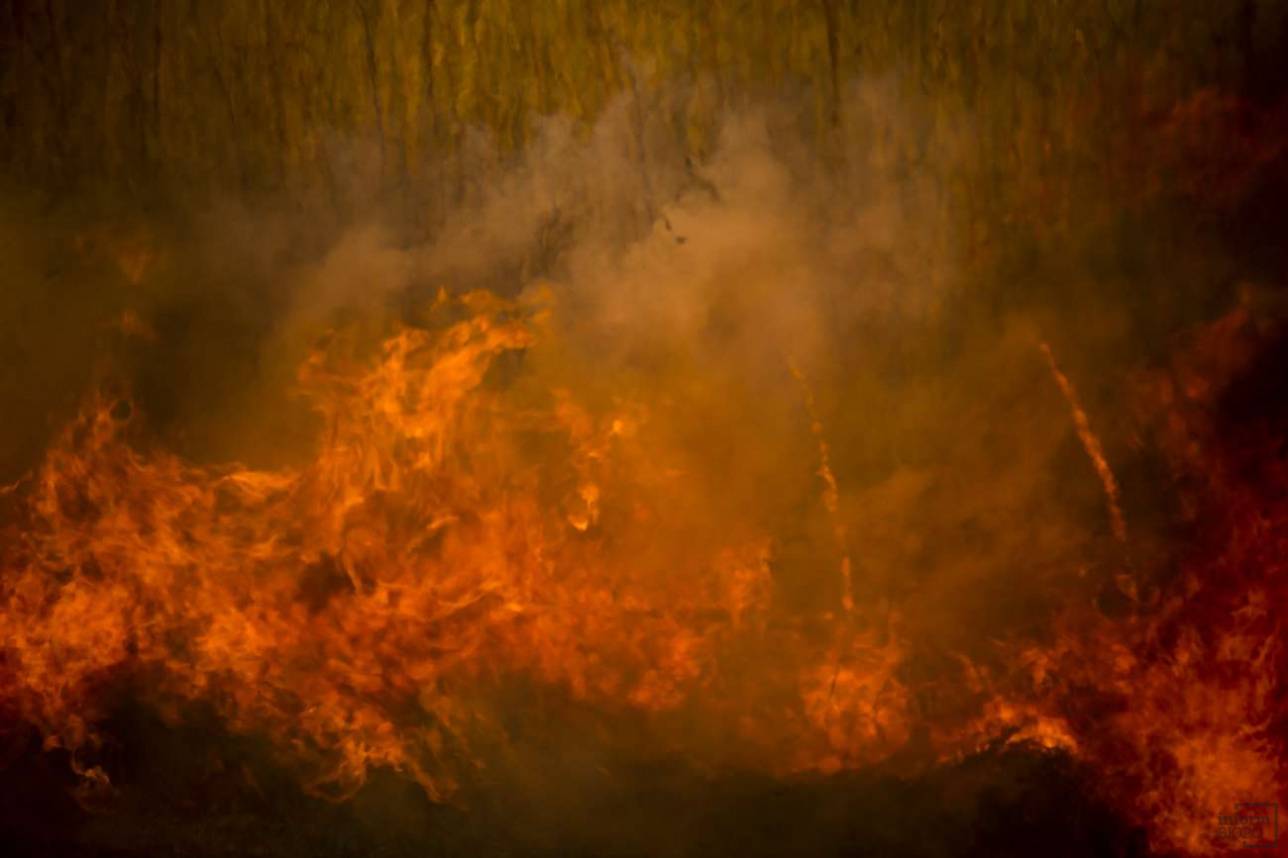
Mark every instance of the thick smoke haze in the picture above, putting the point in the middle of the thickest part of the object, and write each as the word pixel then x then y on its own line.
pixel 765 308
pixel 890 379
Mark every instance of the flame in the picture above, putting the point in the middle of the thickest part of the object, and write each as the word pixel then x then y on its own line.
pixel 1091 444
pixel 361 608
pixel 454 533
pixel 831 491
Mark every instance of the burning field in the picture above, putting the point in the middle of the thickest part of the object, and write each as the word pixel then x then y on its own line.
pixel 862 437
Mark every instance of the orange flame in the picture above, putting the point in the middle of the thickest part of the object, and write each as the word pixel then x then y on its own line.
pixel 1091 444
pixel 453 534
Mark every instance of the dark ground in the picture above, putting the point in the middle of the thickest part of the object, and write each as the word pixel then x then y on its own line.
pixel 197 791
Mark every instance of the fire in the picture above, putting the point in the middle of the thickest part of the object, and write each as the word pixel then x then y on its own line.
pixel 360 609
pixel 1091 444
pixel 1179 705
pixel 456 531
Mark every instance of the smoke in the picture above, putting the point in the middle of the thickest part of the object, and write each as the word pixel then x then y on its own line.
pixel 793 333
pixel 785 299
